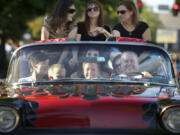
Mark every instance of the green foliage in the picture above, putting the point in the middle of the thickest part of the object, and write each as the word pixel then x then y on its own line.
pixel 178 2
pixel 152 19
pixel 35 27
pixel 15 14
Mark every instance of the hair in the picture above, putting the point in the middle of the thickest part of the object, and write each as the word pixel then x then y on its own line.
pixel 84 63
pixel 129 4
pixel 59 13
pixel 37 57
pixel 91 50
pixel 129 52
pixel 100 18
pixel 54 66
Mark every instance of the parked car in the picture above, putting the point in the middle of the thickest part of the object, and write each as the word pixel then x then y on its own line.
pixel 90 88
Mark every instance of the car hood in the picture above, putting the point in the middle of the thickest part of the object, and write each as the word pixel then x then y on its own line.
pixel 91 107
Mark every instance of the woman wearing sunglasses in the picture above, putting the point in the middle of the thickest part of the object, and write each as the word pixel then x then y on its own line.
pixel 60 22
pixel 93 28
pixel 129 25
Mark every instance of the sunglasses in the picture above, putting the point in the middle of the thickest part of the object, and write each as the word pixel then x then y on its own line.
pixel 121 11
pixel 71 11
pixel 92 8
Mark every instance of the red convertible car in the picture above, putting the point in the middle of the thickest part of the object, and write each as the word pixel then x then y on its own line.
pixel 123 88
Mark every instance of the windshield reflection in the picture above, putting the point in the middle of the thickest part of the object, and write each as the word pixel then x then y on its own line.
pixel 89 62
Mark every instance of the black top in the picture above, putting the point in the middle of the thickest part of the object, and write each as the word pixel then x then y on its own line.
pixel 136 33
pixel 86 37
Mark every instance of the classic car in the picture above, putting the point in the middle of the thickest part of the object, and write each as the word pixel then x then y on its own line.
pixel 68 87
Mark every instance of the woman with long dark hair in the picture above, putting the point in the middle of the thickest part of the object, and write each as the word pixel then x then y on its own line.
pixel 129 25
pixel 60 22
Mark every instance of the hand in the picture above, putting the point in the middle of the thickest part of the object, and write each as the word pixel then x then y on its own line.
pixel 73 61
pixel 147 74
pixel 99 30
pixel 93 33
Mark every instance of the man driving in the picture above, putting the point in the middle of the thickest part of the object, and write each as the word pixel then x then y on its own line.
pixel 128 63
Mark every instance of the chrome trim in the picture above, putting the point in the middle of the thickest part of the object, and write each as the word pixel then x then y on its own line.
pixel 14 111
pixel 167 107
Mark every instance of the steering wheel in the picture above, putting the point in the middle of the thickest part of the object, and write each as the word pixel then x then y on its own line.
pixel 135 74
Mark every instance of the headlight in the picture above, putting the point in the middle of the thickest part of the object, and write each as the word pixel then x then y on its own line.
pixel 171 120
pixel 9 119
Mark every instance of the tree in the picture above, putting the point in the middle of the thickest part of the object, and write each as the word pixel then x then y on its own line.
pixel 152 19
pixel 178 2
pixel 14 16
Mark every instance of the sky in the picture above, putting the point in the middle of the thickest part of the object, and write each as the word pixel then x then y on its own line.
pixel 154 3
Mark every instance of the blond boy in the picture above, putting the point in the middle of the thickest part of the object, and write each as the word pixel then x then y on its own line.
pixel 56 71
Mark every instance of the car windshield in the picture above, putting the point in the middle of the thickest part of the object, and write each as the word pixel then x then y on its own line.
pixel 90 61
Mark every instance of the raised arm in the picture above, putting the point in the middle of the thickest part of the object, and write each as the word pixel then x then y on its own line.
pixel 44 33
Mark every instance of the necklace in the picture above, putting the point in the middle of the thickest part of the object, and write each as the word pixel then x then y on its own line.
pixel 128 28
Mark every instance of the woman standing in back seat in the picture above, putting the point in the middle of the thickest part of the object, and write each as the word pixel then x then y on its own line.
pixel 129 25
